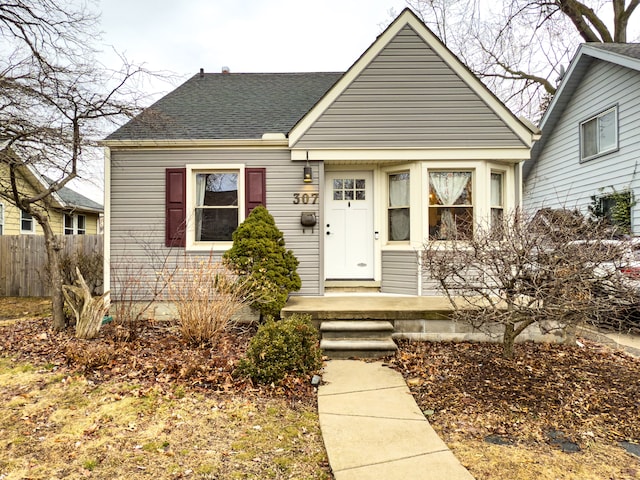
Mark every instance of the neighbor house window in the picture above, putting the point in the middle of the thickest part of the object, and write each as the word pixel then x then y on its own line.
pixel 27 224
pixel 599 134
pixel 398 209
pixel 75 224
pixel 1 219
pixel 217 210
pixel 616 208
pixel 497 199
pixel 450 205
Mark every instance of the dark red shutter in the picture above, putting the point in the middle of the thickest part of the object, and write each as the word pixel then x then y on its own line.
pixel 255 183
pixel 175 207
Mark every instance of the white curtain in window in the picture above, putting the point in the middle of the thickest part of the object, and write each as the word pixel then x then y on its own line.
pixel 399 197
pixel 201 183
pixel 448 187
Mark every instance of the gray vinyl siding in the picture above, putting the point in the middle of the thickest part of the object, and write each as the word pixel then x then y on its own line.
pixel 559 179
pixel 399 272
pixel 408 97
pixel 138 209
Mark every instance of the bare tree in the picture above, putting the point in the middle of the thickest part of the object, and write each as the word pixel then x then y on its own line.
pixel 554 270
pixel 520 48
pixel 55 101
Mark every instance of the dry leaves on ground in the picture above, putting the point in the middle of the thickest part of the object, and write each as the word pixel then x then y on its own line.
pixel 548 398
pixel 157 357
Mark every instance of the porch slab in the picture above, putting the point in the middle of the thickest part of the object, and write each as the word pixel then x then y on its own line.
pixel 375 307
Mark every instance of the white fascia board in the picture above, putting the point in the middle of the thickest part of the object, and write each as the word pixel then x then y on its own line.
pixel 407 17
pixel 195 143
pixel 611 57
pixel 512 155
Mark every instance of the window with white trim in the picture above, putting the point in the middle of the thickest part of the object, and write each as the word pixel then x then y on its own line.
pixel 599 134
pixel 75 224
pixel 1 218
pixel 450 205
pixel 497 199
pixel 216 207
pixel 398 207
pixel 27 223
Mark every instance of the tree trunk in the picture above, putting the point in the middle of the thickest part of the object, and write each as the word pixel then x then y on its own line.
pixel 89 310
pixel 508 340
pixel 53 257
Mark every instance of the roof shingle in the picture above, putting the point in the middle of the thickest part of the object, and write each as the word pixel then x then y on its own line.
pixel 216 106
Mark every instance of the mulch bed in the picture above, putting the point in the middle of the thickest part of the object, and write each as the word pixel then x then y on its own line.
pixel 558 394
pixel 156 357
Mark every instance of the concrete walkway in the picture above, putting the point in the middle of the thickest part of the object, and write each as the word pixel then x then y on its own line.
pixel 373 429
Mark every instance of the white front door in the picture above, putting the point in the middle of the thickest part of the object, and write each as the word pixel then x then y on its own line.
pixel 348 228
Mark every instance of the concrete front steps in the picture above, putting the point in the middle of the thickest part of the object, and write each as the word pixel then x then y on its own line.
pixel 342 339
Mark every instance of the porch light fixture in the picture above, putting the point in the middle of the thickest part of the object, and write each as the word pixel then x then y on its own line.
pixel 308 176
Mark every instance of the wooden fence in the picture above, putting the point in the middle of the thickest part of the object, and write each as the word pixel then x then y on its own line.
pixel 23 262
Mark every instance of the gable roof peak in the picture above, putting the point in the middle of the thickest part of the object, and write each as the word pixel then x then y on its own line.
pixel 407 18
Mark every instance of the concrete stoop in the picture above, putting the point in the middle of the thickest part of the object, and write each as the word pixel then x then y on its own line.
pixel 341 339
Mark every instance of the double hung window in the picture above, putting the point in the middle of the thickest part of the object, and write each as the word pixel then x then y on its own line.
pixel 599 134
pixel 497 199
pixel 398 207
pixel 75 224
pixel 27 223
pixel 450 205
pixel 217 212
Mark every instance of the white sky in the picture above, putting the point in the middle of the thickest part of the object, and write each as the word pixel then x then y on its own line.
pixel 180 37
pixel 244 35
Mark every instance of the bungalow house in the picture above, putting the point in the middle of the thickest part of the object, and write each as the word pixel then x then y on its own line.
pixel 70 212
pixel 358 168
pixel 589 152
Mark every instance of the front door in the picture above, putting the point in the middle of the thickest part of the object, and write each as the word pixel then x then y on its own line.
pixel 348 225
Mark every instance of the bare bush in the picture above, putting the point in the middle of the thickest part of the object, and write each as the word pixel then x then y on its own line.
pixel 206 295
pixel 554 270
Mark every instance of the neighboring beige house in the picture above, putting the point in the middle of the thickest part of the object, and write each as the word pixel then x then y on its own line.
pixel 359 168
pixel 70 214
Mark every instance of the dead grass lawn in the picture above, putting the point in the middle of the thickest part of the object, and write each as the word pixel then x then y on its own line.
pixel 56 425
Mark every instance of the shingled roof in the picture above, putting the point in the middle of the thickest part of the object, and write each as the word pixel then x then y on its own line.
pixel 232 106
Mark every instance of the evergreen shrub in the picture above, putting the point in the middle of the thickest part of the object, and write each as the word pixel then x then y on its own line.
pixel 279 348
pixel 259 254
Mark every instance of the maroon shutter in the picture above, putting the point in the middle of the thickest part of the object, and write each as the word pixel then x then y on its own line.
pixel 175 207
pixel 255 182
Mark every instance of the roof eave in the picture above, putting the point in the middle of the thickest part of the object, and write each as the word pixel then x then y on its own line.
pixel 281 141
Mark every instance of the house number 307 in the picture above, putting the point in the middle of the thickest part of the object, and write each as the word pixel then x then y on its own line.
pixel 305 198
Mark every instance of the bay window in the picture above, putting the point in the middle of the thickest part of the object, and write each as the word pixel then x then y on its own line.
pixel 398 207
pixel 450 205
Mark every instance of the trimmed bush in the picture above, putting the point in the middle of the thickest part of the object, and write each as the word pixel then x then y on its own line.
pixel 283 347
pixel 258 253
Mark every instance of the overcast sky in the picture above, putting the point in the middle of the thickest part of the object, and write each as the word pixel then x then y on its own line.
pixel 180 37
pixel 246 36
